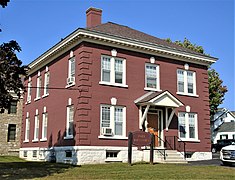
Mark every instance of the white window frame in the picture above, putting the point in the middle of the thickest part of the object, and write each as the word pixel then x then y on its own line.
pixel 185 76
pixel 112 72
pixel 71 76
pixel 27 128
pixel 29 92
pixel 46 84
pixel 38 90
pixel 36 128
pixel 157 77
pixel 68 120
pixel 187 138
pixel 44 126
pixel 112 122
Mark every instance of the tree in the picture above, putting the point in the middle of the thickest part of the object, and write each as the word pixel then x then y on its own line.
pixel 11 71
pixel 3 3
pixel 216 88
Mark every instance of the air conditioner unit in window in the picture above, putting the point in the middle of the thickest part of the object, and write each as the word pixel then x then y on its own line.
pixel 107 131
pixel 70 80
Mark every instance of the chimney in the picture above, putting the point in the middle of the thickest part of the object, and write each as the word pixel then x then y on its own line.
pixel 93 17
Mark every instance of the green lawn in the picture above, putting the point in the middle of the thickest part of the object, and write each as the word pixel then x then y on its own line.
pixel 14 168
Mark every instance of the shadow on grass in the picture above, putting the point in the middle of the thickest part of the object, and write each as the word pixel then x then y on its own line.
pixel 29 170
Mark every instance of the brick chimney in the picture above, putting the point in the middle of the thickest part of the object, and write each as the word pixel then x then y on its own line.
pixel 93 17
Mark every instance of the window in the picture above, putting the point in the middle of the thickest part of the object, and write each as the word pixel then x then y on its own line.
pixel 11 132
pixel 224 136
pixel 68 154
pixel 233 136
pixel 29 93
pixel 27 127
pixel 71 72
pixel 25 153
pixel 113 71
pixel 112 154
pixel 46 83
pixel 13 108
pixel 113 120
pixel 188 126
pixel 70 115
pixel 36 128
pixel 34 153
pixel 152 77
pixel 39 84
pixel 186 82
pixel 44 125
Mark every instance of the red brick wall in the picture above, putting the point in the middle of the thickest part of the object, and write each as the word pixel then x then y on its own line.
pixel 91 94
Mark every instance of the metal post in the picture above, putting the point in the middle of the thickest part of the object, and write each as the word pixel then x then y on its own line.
pixel 151 148
pixel 130 138
pixel 174 144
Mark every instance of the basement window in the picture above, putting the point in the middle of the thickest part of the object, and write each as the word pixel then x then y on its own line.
pixel 68 154
pixel 34 153
pixel 111 154
pixel 25 153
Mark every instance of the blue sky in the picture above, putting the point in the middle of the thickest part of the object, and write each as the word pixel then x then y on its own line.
pixel 38 24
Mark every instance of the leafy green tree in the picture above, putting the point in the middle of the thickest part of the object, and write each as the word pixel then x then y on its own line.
pixel 11 71
pixel 216 89
pixel 3 3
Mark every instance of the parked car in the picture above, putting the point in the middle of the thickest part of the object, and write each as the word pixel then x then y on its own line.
pixel 227 154
pixel 220 144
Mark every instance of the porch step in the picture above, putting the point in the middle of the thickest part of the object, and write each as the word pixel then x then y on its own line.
pixel 172 156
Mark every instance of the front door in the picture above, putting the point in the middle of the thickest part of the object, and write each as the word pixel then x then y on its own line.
pixel 152 126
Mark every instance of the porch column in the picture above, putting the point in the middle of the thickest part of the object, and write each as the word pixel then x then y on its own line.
pixel 144 116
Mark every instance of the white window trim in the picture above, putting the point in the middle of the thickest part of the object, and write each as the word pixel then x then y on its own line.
pixel 29 92
pixel 67 136
pixel 187 128
pixel 45 81
pixel 112 113
pixel 27 126
pixel 36 121
pixel 39 84
pixel 69 72
pixel 185 93
pixel 112 72
pixel 158 78
pixel 43 121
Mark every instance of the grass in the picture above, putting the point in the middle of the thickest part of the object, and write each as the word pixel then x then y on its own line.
pixel 15 168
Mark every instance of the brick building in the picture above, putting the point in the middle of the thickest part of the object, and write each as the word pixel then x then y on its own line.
pixel 87 92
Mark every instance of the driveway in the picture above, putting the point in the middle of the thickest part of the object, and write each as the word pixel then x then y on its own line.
pixel 213 162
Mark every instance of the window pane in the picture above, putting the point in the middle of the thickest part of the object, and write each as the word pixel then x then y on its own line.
pixel 13 108
pixel 118 118
pixel 72 67
pixel 151 76
pixel 70 123
pixel 118 71
pixel 182 126
pixel 39 83
pixel 27 129
pixel 47 76
pixel 11 132
pixel 45 125
pixel 190 82
pixel 180 80
pixel 191 126
pixel 106 66
pixel 105 121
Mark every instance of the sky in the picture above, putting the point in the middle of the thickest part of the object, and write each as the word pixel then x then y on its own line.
pixel 39 24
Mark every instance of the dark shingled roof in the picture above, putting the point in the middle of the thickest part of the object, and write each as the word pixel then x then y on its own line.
pixel 227 127
pixel 114 29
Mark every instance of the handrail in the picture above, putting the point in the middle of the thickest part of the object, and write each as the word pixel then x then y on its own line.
pixel 175 143
pixel 164 151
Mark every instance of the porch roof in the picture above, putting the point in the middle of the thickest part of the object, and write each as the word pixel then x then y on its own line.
pixel 164 98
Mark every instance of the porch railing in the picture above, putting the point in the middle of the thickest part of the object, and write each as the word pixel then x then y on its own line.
pixel 163 150
pixel 175 143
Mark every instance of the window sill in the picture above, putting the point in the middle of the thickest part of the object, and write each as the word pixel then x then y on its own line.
pixel 184 94
pixel 112 137
pixel 25 141
pixel 113 160
pixel 152 89
pixel 28 102
pixel 68 137
pixel 35 140
pixel 45 95
pixel 70 85
pixel 113 84
pixel 189 140
pixel 44 139
pixel 36 99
